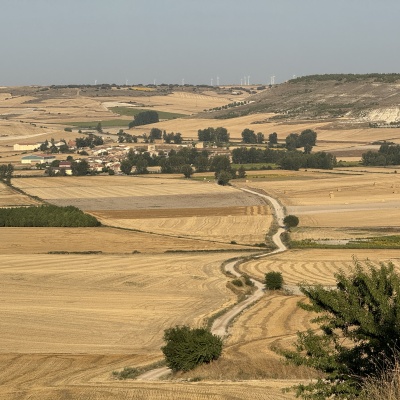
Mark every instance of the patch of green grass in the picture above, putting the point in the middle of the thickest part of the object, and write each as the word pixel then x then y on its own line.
pixel 256 166
pixel 131 112
pixel 378 242
pixel 105 124
pixel 344 164
pixel 132 373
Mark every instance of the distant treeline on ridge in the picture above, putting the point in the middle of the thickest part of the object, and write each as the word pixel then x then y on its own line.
pixel 387 78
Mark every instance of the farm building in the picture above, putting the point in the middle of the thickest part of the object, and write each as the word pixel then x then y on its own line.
pixel 37 159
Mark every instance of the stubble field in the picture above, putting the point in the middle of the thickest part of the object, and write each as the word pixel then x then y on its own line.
pixel 173 207
pixel 339 204
pixel 70 320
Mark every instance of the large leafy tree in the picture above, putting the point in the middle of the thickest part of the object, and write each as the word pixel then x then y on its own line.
pixel 359 330
pixel 186 348
pixel 6 172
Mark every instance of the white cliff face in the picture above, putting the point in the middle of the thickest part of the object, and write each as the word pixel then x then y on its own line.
pixel 383 115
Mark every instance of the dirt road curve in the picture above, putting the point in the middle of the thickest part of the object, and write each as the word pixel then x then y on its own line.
pixel 221 324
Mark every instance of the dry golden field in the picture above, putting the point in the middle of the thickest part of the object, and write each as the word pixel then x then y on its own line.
pixel 10 197
pixel 336 204
pixel 272 322
pixel 315 265
pixel 104 239
pixel 244 225
pixel 70 320
pixel 178 102
pixel 104 304
pixel 84 377
pixel 173 207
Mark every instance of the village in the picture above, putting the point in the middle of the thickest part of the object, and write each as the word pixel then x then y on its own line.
pixel 105 156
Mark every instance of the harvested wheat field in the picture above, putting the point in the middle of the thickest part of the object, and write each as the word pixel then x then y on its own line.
pixel 70 320
pixel 10 197
pixel 258 122
pixel 315 266
pixel 101 304
pixel 178 102
pixel 85 377
pixel 358 203
pixel 103 239
pixel 272 322
pixel 245 225
pixel 174 207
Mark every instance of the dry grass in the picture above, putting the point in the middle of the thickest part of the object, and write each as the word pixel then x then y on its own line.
pixel 272 322
pixel 384 387
pixel 10 197
pixel 97 187
pixel 90 315
pixel 174 207
pixel 314 266
pixel 178 102
pixel 248 227
pixel 104 239
pixel 104 304
pixel 334 204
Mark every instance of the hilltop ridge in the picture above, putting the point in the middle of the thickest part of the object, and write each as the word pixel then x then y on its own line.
pixel 361 98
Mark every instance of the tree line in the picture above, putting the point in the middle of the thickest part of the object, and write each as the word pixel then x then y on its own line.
pixel 291 160
pixel 387 155
pixel 46 216
pixel 6 172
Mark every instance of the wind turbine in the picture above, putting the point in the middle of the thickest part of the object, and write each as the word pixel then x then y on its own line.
pixel 217 80
pixel 248 80
pixel 95 82
pixel 212 81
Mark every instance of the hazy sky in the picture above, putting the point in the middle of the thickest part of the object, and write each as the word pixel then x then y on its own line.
pixel 79 41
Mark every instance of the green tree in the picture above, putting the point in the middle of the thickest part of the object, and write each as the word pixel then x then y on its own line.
pixel 186 348
pixel 141 166
pixel 80 168
pixel 241 172
pixel 99 128
pixel 220 163
pixel 248 136
pixel 144 118
pixel 273 280
pixel 291 221
pixel 155 133
pixel 273 138
pixel 187 170
pixel 358 332
pixel 292 141
pixel 223 178
pixel 126 166
pixel 6 172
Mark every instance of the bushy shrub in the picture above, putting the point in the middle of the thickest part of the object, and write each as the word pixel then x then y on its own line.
pixel 186 348
pixel 291 221
pixel 273 280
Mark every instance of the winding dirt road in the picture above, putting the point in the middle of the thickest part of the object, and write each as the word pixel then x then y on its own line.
pixel 220 325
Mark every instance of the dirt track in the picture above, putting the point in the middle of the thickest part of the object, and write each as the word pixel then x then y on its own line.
pixel 220 325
